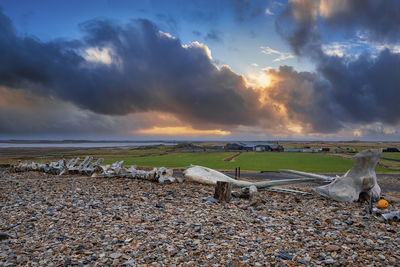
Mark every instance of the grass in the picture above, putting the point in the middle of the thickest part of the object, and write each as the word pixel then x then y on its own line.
pixel 250 161
pixel 174 157
pixel 391 155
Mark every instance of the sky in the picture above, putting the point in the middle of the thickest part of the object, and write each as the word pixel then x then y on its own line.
pixel 200 70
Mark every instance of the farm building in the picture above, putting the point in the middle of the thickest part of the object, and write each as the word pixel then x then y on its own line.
pixel 256 146
pixel 391 149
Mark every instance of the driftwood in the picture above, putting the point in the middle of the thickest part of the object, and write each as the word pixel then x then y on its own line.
pixel 359 180
pixel 223 191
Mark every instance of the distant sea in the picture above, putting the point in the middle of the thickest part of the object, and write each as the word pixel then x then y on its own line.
pixel 8 144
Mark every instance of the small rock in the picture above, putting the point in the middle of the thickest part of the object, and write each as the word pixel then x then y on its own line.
pixel 211 200
pixel 160 205
pixel 329 261
pixel 348 222
pixel 381 257
pixel 286 256
pixel 302 261
pixel 4 236
pixel 115 255
pixel 210 256
pixel 129 262
pixel 332 248
pixel 67 262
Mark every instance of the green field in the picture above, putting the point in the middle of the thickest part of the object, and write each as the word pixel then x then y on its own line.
pixel 391 155
pixel 250 161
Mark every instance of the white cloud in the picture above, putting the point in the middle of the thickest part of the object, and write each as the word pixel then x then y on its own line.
pixel 282 55
pixel 98 55
pixel 269 12
pixel 337 49
pixel 254 65
pixel 166 34
pixel 393 48
pixel 196 44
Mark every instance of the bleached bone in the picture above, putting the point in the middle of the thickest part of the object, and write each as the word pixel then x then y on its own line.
pixel 58 167
pixel 72 163
pixel 359 179
pixel 91 168
pixel 69 162
pixel 392 216
pixel 322 178
pixel 83 163
pixel 84 167
pixel 94 169
pixel 285 190
pixel 206 175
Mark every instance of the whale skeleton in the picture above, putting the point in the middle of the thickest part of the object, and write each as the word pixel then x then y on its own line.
pixel 359 180
pixel 95 169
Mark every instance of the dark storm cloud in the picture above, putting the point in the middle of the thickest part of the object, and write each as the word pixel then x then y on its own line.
pixel 300 21
pixel 304 97
pixel 151 71
pixel 363 89
pixel 379 18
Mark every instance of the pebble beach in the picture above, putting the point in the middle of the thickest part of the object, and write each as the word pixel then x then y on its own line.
pixel 48 220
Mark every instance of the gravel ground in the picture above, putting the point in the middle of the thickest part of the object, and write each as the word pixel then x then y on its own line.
pixel 77 221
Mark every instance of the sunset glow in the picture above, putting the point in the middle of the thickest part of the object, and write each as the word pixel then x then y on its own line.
pixel 304 69
pixel 182 131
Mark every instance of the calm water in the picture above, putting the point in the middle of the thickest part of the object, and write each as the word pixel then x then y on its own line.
pixel 83 144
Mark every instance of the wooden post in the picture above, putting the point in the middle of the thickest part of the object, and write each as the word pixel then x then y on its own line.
pixel 223 191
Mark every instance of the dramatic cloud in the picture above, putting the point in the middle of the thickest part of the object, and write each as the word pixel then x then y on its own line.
pixel 139 80
pixel 302 20
pixel 118 70
pixel 379 19
pixel 361 89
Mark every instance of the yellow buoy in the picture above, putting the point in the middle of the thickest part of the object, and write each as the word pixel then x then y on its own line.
pixel 383 204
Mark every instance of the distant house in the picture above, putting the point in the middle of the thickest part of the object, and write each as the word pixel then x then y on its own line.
pixel 391 149
pixel 293 150
pixel 234 146
pixel 345 150
pixel 254 146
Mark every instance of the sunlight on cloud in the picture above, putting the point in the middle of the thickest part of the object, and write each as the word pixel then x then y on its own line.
pixel 98 55
pixel 181 130
pixel 357 133
pixel 328 8
pixel 258 79
pixel 204 47
pixel 305 10
pixel 166 34
pixel 296 128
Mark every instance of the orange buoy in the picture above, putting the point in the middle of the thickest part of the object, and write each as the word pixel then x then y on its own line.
pixel 383 204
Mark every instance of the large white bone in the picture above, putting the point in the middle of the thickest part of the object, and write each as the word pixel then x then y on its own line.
pixel 206 175
pixel 359 179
